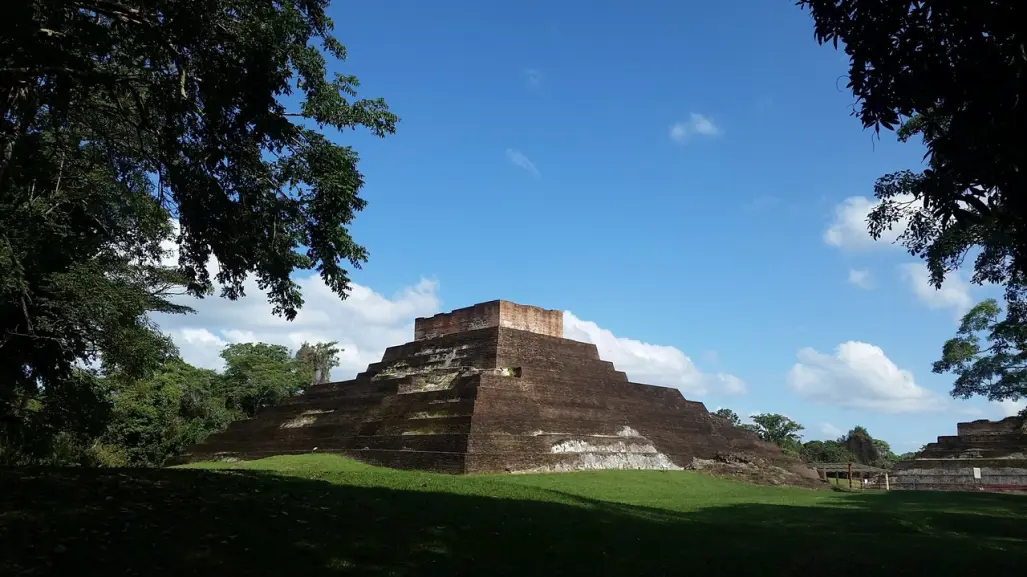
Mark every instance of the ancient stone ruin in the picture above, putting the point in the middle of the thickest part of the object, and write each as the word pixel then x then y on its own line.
pixel 983 455
pixel 490 388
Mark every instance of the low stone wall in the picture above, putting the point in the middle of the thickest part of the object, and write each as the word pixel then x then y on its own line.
pixel 959 474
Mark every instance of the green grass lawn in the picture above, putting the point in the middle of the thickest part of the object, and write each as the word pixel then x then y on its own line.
pixel 324 515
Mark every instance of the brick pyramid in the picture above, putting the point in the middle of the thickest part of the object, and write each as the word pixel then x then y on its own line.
pixel 490 388
pixel 997 449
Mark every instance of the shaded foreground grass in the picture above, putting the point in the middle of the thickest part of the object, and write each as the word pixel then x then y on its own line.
pixel 323 515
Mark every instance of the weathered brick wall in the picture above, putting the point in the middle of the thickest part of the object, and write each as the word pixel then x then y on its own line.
pixel 531 319
pixel 475 348
pixel 958 474
pixel 985 427
pixel 365 419
pixel 488 315
pixel 479 316
pixel 538 352
pixel 590 417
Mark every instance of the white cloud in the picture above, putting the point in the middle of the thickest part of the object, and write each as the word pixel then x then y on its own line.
pixel 650 364
pixel 697 124
pixel 517 158
pixel 954 295
pixel 364 324
pixel 829 430
pixel 861 278
pixel 860 376
pixel 533 77
pixel 1011 408
pixel 848 229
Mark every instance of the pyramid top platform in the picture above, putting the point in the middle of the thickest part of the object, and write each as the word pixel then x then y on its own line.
pixel 498 313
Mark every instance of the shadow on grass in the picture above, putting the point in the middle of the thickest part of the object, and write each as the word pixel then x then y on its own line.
pixel 174 522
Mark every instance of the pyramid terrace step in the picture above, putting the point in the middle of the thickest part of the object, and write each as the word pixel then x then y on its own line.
pixel 423 409
pixel 969 453
pixel 451 463
pixel 598 373
pixel 982 441
pixel 334 443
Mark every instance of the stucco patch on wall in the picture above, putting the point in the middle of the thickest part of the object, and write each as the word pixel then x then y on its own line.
pixel 594 461
pixel 303 419
pixel 580 446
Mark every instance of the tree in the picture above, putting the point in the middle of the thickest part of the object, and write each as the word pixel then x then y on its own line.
pixel 867 450
pixel 859 442
pixel 911 454
pixel 115 118
pixel 826 452
pixel 951 73
pixel 885 456
pixel 777 429
pixel 156 418
pixel 318 360
pixel 729 415
pixel 995 369
pixel 259 375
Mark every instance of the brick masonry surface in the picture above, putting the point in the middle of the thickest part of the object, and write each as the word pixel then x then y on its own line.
pixel 997 449
pixel 489 389
pixel 491 314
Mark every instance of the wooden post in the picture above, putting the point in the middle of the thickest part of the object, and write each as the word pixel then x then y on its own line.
pixel 887 487
pixel 850 475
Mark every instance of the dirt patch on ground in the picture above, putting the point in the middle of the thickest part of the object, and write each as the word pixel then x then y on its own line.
pixel 755 470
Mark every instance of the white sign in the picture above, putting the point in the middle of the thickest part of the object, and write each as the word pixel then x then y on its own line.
pixel 977 473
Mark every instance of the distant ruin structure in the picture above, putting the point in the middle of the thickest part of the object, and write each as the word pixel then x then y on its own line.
pixel 491 388
pixel 983 455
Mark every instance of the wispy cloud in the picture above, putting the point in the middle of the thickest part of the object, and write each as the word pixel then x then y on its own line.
pixel 954 295
pixel 830 430
pixel 861 278
pixel 517 158
pixel 696 125
pixel 1010 408
pixel 533 76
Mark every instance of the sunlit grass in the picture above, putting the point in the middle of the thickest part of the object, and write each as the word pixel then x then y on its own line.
pixel 326 515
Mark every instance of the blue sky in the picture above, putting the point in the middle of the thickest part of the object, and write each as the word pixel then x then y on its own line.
pixel 679 175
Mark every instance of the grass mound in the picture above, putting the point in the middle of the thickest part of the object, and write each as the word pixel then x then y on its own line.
pixel 319 515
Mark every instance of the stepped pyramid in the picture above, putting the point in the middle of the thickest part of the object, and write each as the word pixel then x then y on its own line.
pixel 996 449
pixel 490 388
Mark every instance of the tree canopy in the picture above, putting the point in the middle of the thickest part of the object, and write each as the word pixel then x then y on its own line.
pixel 777 429
pixel 826 452
pixel 147 420
pixel 319 359
pixel 127 127
pixel 856 446
pixel 951 73
pixel 995 368
pixel 728 415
